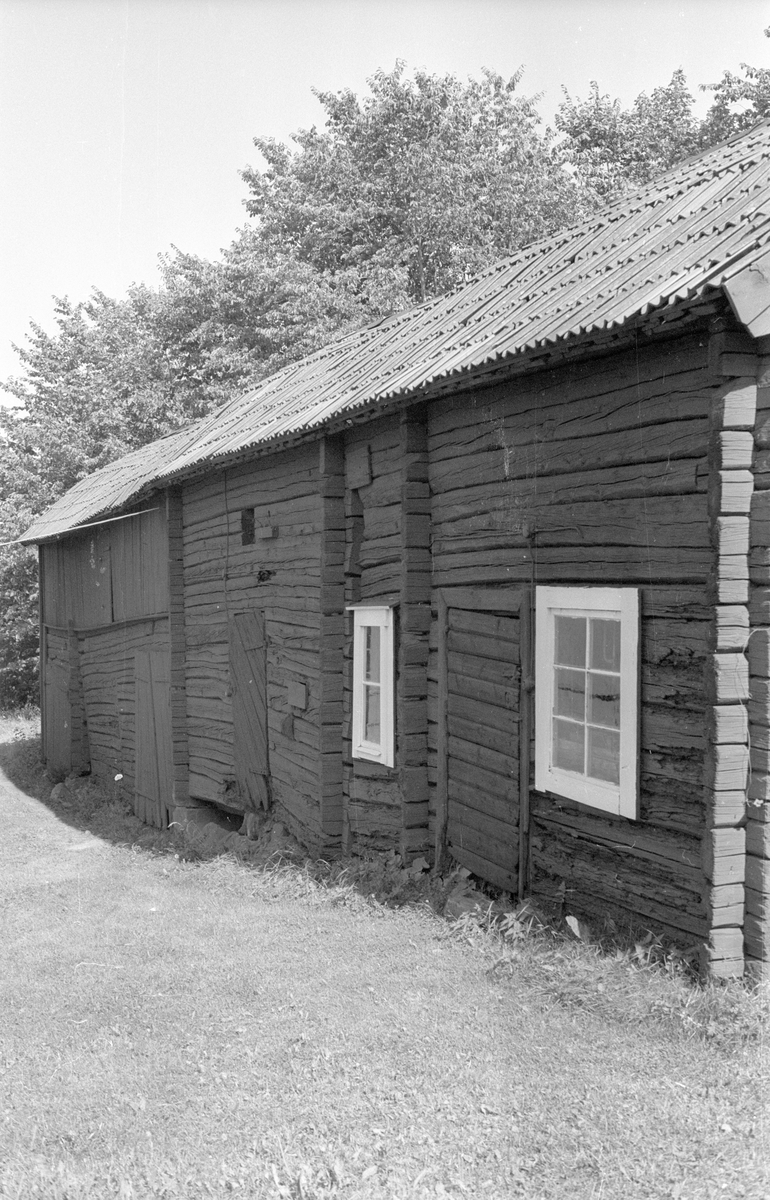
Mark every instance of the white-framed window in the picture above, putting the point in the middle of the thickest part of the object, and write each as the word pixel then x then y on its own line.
pixel 587 695
pixel 373 694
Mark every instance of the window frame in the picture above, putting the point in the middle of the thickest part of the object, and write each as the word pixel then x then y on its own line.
pixel 621 799
pixel 381 616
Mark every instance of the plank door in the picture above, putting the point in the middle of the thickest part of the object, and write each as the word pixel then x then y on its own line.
pixel 480 709
pixel 248 675
pixel 153 771
pixel 57 717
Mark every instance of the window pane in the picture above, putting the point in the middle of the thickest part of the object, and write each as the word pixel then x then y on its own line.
pixel 372 658
pixel 569 694
pixel 604 755
pixel 605 645
pixel 604 700
pixel 570 641
pixel 372 713
pixel 568 746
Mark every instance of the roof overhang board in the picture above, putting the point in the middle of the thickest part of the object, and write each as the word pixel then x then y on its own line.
pixel 749 294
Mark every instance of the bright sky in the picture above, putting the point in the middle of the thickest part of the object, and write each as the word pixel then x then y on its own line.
pixel 124 123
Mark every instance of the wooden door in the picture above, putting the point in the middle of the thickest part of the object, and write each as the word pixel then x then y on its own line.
pixel 480 765
pixel 248 676
pixel 153 772
pixel 57 717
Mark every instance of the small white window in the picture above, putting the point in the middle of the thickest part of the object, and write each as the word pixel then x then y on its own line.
pixel 587 696
pixel 373 684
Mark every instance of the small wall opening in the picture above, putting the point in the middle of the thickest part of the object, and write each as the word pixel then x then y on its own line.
pixel 247 527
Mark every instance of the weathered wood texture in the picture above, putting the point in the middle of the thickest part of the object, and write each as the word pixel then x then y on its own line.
pixel 727 683
pixel 56 700
pixel 178 647
pixel 373 815
pixel 281 577
pixel 248 681
pixel 478 715
pixel 757 881
pixel 106 576
pixel 153 792
pixel 413 630
pixel 114 572
pixel 108 672
pixel 598 473
pixel 332 633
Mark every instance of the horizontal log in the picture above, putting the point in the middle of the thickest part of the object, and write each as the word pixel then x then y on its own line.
pixel 728 723
pixel 606 565
pixel 727 768
pixel 730 678
pixel 629 838
pixel 731 627
pixel 474 688
pixel 757 937
pixel 724 855
pixel 758 874
pixel 735 449
pixel 732 535
pixel 504 877
pixel 757 837
pixel 726 904
pixel 735 405
pixel 757 903
pixel 726 808
pixel 733 491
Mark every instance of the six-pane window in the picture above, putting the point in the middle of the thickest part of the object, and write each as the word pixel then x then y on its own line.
pixel 586 689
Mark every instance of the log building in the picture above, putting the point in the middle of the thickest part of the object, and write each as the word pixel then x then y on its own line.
pixel 489 579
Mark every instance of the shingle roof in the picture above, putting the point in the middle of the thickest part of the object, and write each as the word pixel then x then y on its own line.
pixel 668 242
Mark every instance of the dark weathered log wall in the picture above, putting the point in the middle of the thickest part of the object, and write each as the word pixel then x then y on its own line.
pixel 279 574
pixel 372 793
pixel 107 671
pixel 598 474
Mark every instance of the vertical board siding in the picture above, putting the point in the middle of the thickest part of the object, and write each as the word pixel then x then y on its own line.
pixel 139 555
pixel 57 718
pixel 280 575
pixel 153 793
pixel 248 674
pixel 102 577
pixel 481 699
pixel 598 474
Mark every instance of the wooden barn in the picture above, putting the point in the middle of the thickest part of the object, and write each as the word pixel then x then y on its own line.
pixel 488 580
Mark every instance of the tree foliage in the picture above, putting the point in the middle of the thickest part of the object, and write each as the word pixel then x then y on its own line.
pixel 414 188
pixel 396 197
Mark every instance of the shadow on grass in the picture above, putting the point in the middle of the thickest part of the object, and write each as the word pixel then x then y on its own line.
pixel 83 803
pixel 98 807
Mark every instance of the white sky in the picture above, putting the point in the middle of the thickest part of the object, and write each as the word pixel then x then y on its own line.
pixel 124 123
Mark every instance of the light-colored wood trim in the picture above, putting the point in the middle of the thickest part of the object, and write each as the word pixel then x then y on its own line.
pixel 161 616
pixel 621 800
pixel 380 616
pixel 483 599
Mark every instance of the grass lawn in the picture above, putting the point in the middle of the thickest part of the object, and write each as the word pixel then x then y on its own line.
pixel 175 1028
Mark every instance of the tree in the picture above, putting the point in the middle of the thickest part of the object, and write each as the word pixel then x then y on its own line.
pixel 407 192
pixel 397 197
pixel 738 101
pixel 613 149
